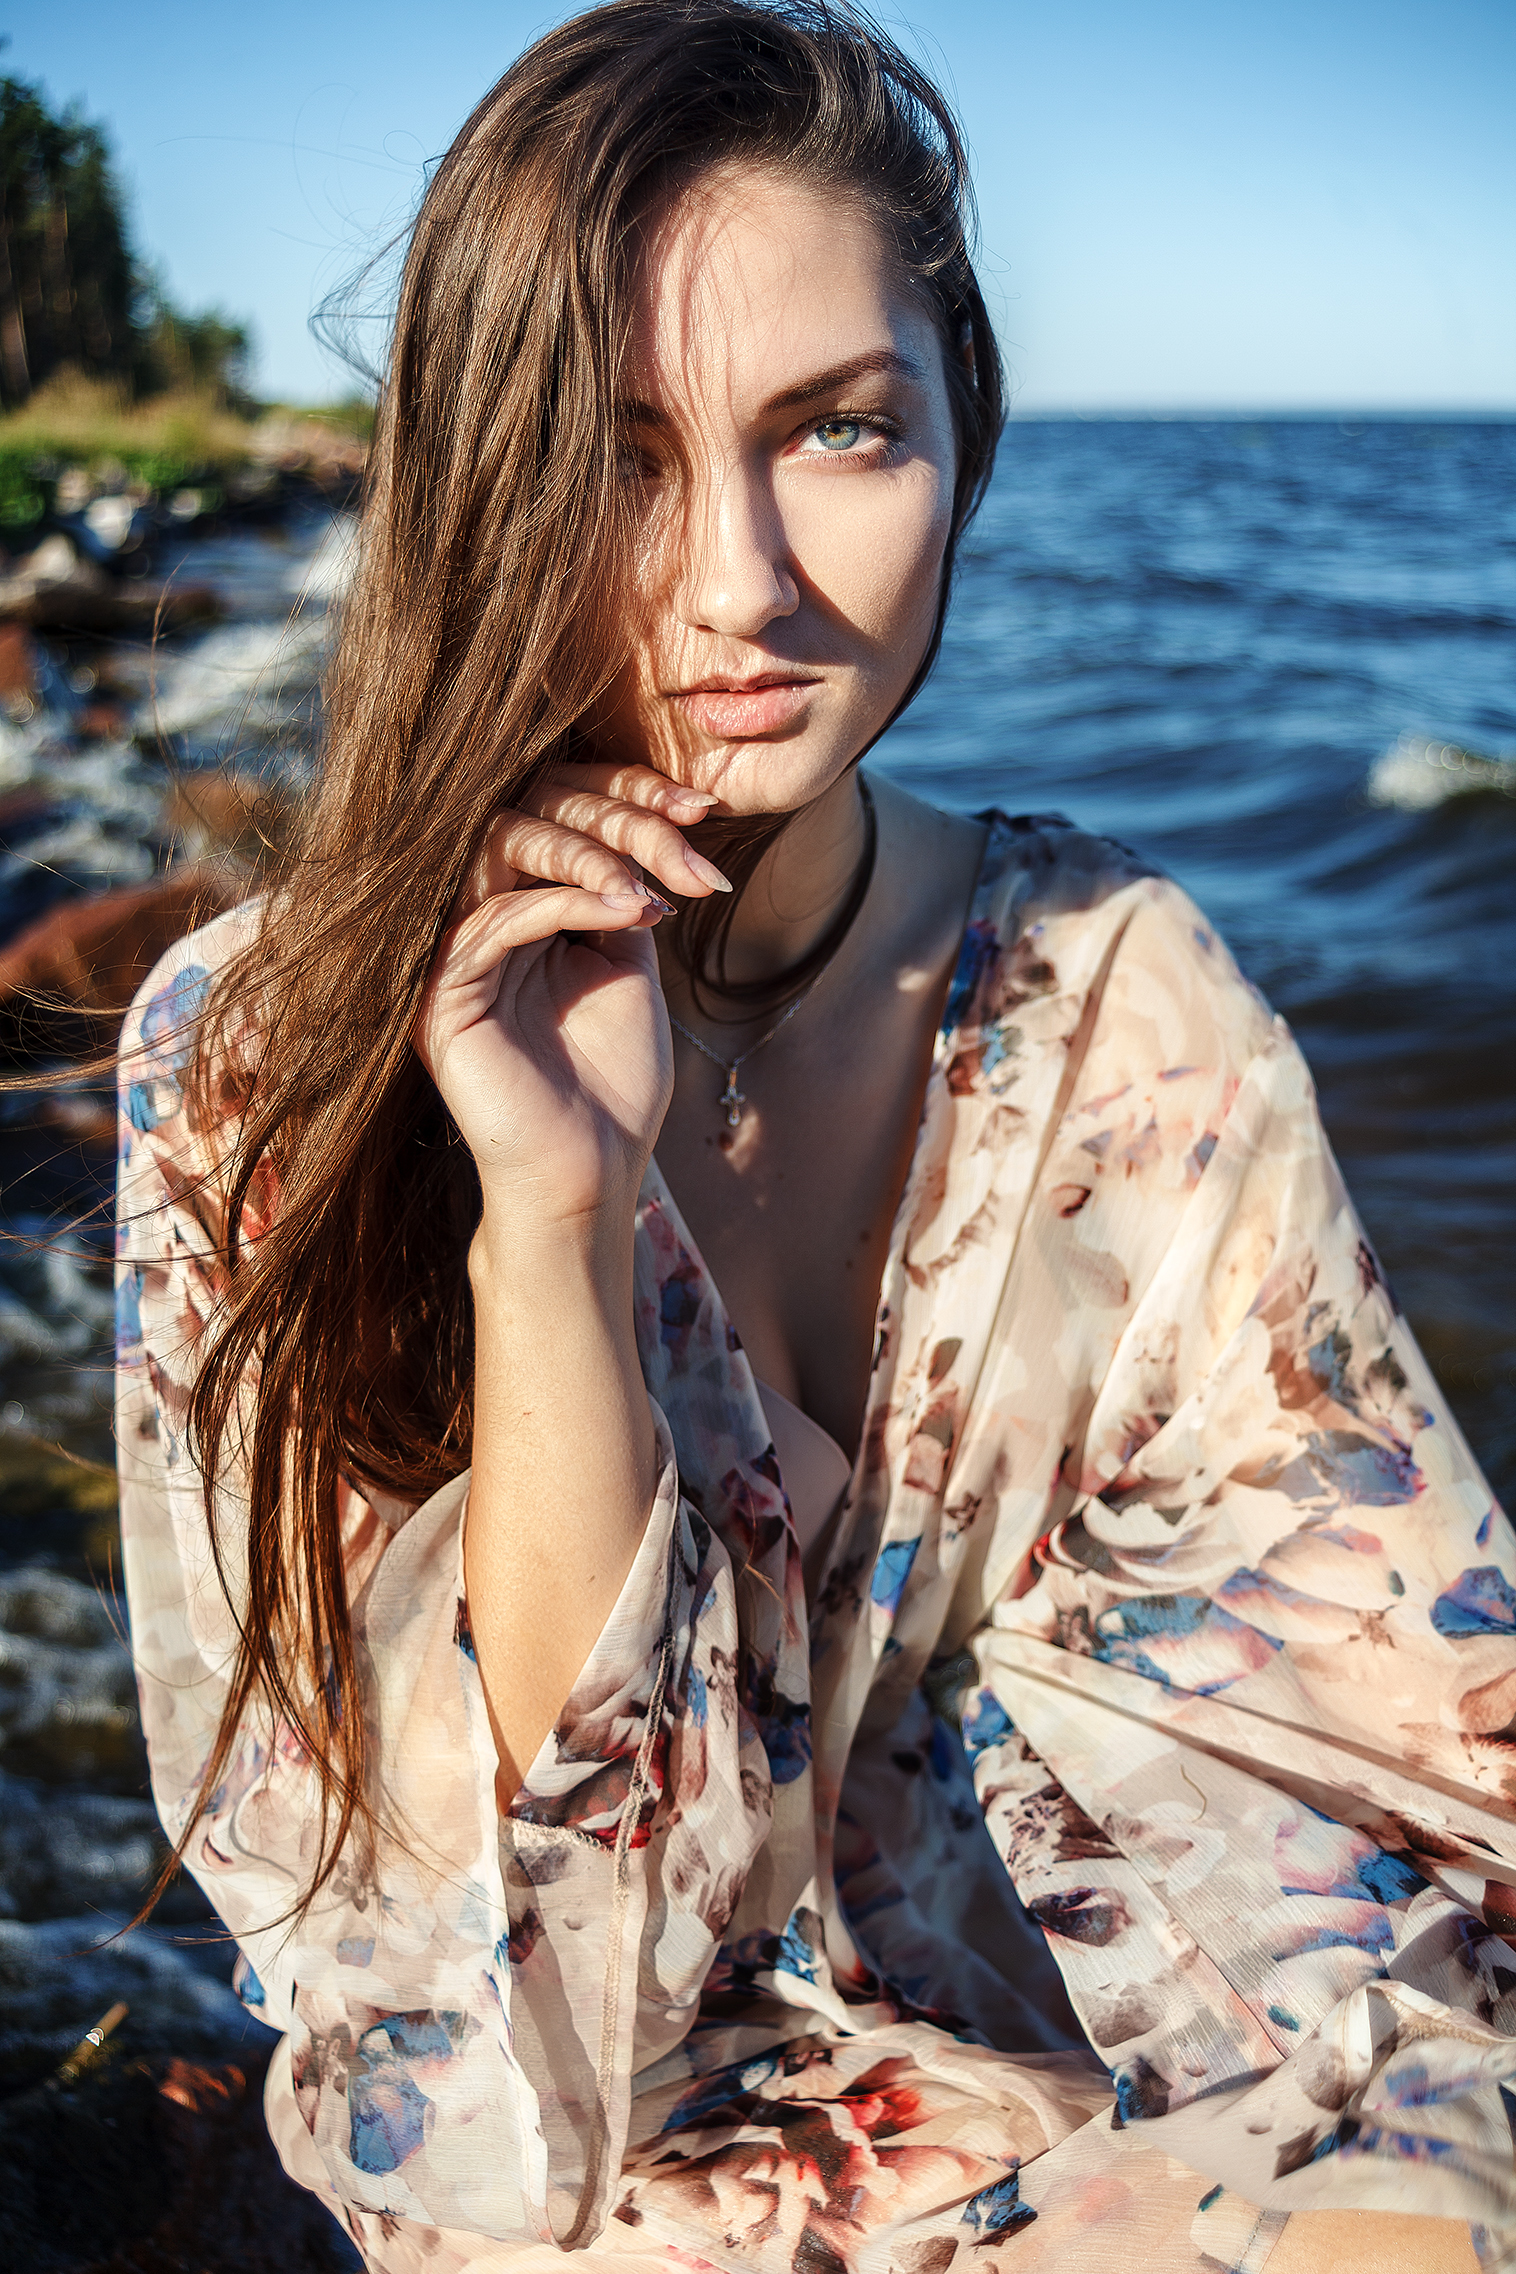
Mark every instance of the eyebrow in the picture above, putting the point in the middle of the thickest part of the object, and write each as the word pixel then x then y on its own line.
pixel 885 359
pixel 634 411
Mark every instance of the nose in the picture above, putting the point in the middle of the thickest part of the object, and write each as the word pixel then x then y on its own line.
pixel 737 576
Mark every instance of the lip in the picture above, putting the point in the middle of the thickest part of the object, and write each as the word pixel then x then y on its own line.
pixel 742 710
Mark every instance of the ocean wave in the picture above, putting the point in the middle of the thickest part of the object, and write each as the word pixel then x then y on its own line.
pixel 1415 774
pixel 249 673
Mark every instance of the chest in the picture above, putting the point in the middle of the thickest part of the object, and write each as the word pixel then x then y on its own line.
pixel 792 1208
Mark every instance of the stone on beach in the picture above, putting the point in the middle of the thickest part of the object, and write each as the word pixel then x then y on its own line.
pixel 66 980
pixel 157 2166
pixel 18 669
pixel 60 1847
pixel 68 1697
pixel 59 1976
pixel 56 589
pixel 156 2158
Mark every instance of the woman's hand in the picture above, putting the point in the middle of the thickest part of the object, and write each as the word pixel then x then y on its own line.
pixel 543 1026
pixel 543 1022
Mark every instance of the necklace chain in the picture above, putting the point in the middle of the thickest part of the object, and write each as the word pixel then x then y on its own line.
pixel 732 1100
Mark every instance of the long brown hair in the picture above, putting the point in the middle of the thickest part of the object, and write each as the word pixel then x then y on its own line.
pixel 485 620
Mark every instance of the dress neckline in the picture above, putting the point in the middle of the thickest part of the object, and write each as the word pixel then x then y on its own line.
pixel 999 827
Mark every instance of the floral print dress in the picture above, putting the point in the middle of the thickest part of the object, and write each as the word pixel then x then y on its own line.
pixel 1166 1627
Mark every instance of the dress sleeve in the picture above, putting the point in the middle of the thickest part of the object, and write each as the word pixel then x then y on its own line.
pixel 1245 1729
pixel 468 1997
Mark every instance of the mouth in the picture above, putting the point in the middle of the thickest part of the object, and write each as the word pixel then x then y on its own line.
pixel 730 709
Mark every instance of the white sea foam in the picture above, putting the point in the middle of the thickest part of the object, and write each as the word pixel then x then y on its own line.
pixel 250 672
pixel 325 577
pixel 1415 774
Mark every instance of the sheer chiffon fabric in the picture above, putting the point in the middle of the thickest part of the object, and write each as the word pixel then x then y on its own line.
pixel 1155 1495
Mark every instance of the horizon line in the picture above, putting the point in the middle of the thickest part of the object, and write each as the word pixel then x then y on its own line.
pixel 1353 414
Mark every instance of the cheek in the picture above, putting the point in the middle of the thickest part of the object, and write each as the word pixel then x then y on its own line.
pixel 875 555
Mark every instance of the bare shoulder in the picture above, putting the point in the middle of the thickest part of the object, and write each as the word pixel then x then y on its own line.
pixel 936 831
pixel 926 867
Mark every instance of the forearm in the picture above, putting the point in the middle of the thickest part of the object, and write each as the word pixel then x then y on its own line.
pixel 564 1466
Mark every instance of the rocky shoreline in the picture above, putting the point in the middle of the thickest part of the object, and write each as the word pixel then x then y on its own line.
pixel 159 661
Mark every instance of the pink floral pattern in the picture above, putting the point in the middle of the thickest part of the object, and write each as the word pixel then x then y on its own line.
pixel 1155 1490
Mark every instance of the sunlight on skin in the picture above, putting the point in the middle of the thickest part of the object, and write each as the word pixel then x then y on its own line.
pixel 796 519
pixel 796 524
pixel 792 439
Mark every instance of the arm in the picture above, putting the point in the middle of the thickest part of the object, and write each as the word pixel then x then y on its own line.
pixel 1235 1739
pixel 445 1995
pixel 545 1031
pixel 561 1424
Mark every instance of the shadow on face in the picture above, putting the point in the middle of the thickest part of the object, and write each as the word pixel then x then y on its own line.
pixel 789 432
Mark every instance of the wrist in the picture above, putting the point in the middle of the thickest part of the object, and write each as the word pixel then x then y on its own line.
pixel 533 1259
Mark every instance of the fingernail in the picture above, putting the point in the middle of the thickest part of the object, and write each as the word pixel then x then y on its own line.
pixel 705 870
pixel 624 899
pixel 701 800
pixel 656 900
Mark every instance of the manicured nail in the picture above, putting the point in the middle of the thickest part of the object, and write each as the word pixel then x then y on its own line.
pixel 656 900
pixel 624 899
pixel 698 801
pixel 705 870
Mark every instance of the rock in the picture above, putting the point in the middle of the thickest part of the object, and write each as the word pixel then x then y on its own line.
pixel 55 589
pixel 58 1978
pixel 66 981
pixel 18 671
pixel 54 1513
pixel 57 561
pixel 294 445
pixel 157 2166
pixel 63 1849
pixel 68 1697
pixel 156 2160
pixel 116 522
pixel 214 814
pixel 26 1335
pixel 101 722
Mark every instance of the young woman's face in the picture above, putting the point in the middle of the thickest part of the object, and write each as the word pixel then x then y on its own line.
pixel 791 440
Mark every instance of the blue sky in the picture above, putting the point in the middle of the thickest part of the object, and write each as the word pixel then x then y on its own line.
pixel 1238 204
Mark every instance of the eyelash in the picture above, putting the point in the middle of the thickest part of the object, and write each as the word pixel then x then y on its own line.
pixel 876 424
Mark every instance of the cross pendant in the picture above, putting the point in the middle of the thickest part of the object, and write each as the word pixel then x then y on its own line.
pixel 732 1099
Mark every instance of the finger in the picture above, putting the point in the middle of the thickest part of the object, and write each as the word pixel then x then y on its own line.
pixel 482 940
pixel 646 837
pixel 523 844
pixel 638 785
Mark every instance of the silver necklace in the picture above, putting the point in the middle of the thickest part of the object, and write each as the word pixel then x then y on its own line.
pixel 732 1100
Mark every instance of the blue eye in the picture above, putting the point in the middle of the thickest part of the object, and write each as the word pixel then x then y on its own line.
pixel 839 433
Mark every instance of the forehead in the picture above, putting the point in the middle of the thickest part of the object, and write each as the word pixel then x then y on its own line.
pixel 754 277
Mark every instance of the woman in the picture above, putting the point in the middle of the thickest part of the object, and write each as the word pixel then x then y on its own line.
pixel 549 1566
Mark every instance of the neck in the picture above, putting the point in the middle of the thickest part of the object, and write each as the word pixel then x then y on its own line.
pixel 795 892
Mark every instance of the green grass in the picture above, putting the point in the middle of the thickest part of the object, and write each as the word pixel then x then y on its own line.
pixel 88 421
pixel 163 443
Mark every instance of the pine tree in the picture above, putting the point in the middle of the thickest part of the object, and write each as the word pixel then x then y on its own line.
pixel 71 292
pixel 67 278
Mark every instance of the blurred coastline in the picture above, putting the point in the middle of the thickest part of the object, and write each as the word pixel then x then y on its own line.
pixel 1276 655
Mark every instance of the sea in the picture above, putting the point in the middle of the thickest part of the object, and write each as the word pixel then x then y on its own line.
pixel 1277 656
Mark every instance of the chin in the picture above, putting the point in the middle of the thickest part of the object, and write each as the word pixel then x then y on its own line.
pixel 753 778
